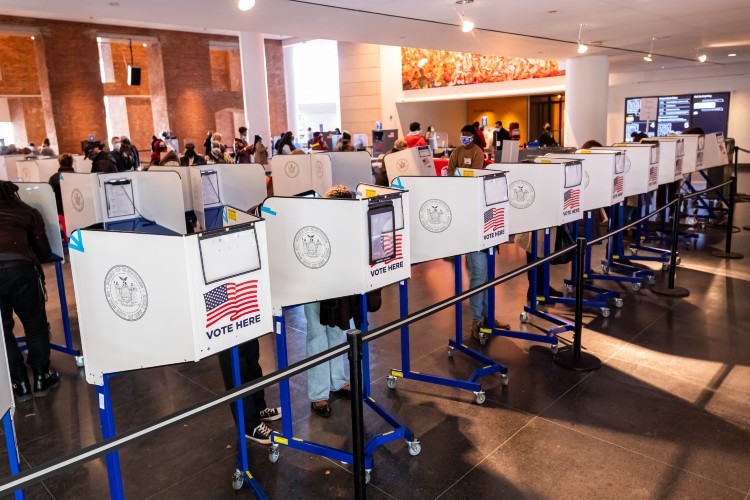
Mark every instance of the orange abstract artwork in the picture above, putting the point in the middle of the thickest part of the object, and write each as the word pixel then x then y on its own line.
pixel 424 68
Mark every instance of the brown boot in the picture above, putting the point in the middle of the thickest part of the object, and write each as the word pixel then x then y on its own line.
pixel 475 326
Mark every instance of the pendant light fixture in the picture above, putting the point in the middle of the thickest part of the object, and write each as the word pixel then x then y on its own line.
pixel 466 25
pixel 650 57
pixel 582 48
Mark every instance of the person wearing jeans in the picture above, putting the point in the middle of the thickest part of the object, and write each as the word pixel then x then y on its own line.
pixel 477 265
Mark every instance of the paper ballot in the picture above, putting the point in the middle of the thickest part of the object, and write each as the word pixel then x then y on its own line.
pixel 119 200
pixel 210 186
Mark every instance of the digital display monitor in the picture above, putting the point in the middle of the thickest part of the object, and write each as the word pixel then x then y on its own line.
pixel 674 114
pixel 119 198
pixel 228 253
pixel 382 232
pixel 711 112
pixel 677 113
pixel 573 174
pixel 495 190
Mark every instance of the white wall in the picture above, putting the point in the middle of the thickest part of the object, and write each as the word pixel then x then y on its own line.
pixel 446 116
pixel 704 78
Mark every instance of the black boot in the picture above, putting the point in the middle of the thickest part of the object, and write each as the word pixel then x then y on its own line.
pixel 45 380
pixel 21 387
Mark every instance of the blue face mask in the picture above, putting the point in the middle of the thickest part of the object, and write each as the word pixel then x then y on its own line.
pixel 466 140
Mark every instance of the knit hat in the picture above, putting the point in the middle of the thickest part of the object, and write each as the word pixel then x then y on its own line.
pixel 468 128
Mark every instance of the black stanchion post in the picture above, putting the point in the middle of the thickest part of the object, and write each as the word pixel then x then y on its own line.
pixel 671 290
pixel 728 253
pixel 572 357
pixel 358 416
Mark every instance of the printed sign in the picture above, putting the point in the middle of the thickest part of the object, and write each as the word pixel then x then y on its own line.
pixel 231 301
pixel 291 169
pixel 521 194
pixel 435 216
pixel 126 293
pixel 312 247
pixel 76 198
pixel 617 186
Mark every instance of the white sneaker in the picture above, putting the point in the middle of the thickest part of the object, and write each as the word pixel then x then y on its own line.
pixel 261 434
pixel 270 414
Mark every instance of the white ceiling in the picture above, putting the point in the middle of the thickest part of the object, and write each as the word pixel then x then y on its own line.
pixel 681 26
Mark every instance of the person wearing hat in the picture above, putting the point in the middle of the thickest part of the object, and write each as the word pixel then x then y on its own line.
pixel 23 246
pixel 190 157
pixel 101 161
pixel 242 150
pixel 469 155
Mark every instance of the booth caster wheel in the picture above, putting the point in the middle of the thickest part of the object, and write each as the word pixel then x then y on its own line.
pixel 237 480
pixel 482 338
pixel 619 302
pixel 605 269
pixel 391 382
pixel 554 348
pixel 80 361
pixel 480 397
pixel 634 251
pixel 415 447
pixel 273 456
pixel 506 379
pixel 569 288
pixel 665 266
pixel 636 286
pixel 524 317
pixel 678 260
pixel 605 312
pixel 368 475
pixel 450 352
pixel 652 280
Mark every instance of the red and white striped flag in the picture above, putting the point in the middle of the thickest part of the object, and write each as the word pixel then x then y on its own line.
pixel 231 300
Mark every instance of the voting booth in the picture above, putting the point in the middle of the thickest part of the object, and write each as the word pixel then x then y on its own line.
pixel 409 162
pixel 8 171
pixel 81 164
pixel 137 311
pixel 456 215
pixel 37 169
pixel 295 174
pixel 715 151
pixel 542 195
pixel 641 166
pixel 8 410
pixel 126 201
pixel 671 153
pixel 694 146
pixel 329 247
pixel 347 168
pixel 603 176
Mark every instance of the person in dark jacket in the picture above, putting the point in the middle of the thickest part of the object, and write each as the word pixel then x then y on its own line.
pixel 101 161
pixel 242 149
pixel 191 157
pixel 547 139
pixel 23 245
pixel 66 165
pixel 129 152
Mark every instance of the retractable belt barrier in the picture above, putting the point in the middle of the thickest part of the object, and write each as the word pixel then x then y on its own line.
pixel 571 357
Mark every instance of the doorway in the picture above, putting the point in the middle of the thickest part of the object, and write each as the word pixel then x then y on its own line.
pixel 547 109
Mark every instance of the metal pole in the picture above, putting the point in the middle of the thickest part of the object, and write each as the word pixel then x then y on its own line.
pixel 358 417
pixel 728 253
pixel 671 290
pixel 573 358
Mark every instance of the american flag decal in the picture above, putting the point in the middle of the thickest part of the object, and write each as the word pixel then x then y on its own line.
pixel 571 199
pixel 653 174
pixel 494 219
pixel 387 240
pixel 231 300
pixel 617 185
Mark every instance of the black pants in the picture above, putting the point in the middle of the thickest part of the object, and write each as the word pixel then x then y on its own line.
pixel 249 354
pixel 20 291
pixel 539 276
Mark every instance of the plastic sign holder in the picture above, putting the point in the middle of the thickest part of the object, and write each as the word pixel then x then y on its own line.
pixel 325 248
pixel 137 312
pixel 714 155
pixel 541 196
pixel 212 187
pixel 8 409
pixel 671 158
pixel 694 151
pixel 294 174
pixel 410 162
pixel 451 216
pixel 41 197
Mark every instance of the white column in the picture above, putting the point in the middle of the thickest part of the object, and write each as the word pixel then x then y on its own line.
pixel 292 115
pixel 586 92
pixel 255 85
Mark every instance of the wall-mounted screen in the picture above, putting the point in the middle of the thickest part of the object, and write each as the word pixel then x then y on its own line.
pixel 676 113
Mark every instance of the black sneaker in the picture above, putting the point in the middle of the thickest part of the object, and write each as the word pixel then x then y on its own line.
pixel 44 381
pixel 261 434
pixel 22 390
pixel 270 414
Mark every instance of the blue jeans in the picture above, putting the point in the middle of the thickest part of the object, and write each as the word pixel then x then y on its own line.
pixel 477 264
pixel 329 376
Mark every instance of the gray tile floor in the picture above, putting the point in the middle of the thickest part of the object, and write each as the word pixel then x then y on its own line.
pixel 667 416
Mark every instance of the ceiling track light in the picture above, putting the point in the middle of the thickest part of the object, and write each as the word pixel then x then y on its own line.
pixel 466 25
pixel 245 5
pixel 582 47
pixel 702 57
pixel 650 57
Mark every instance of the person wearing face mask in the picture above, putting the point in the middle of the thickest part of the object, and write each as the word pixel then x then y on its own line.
pixel 101 161
pixel 121 161
pixel 468 154
pixel 415 138
pixel 190 157
pixel 129 152
pixel 499 135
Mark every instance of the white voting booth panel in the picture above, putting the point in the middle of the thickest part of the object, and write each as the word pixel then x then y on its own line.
pixel 136 311
pixel 671 152
pixel 715 151
pixel 295 174
pixel 348 168
pixel 457 215
pixel 6 389
pixel 93 198
pixel 510 152
pixel 542 195
pixel 8 167
pixel 187 194
pixel 643 162
pixel 694 146
pixel 40 196
pixel 410 162
pixel 603 176
pixel 238 185
pixel 37 170
pixel 324 248
pixel 81 164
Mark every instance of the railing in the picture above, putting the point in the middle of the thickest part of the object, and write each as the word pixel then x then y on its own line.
pixel 571 357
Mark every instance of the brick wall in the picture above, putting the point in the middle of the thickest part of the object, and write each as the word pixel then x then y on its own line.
pixel 18 66
pixel 276 86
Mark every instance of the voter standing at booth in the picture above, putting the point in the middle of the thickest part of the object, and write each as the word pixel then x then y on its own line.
pixel 415 138
pixel 66 165
pixel 23 245
pixel 470 155
pixel 101 161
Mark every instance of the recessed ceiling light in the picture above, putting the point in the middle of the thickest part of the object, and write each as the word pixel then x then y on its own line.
pixel 245 5
pixel 702 58
pixel 731 55
pixel 467 26
pixel 463 2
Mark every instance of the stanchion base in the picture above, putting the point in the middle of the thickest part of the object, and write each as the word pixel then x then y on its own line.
pixel 677 291
pixel 587 362
pixel 746 228
pixel 727 255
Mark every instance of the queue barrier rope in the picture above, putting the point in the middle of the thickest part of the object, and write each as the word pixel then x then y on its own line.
pixel 356 339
